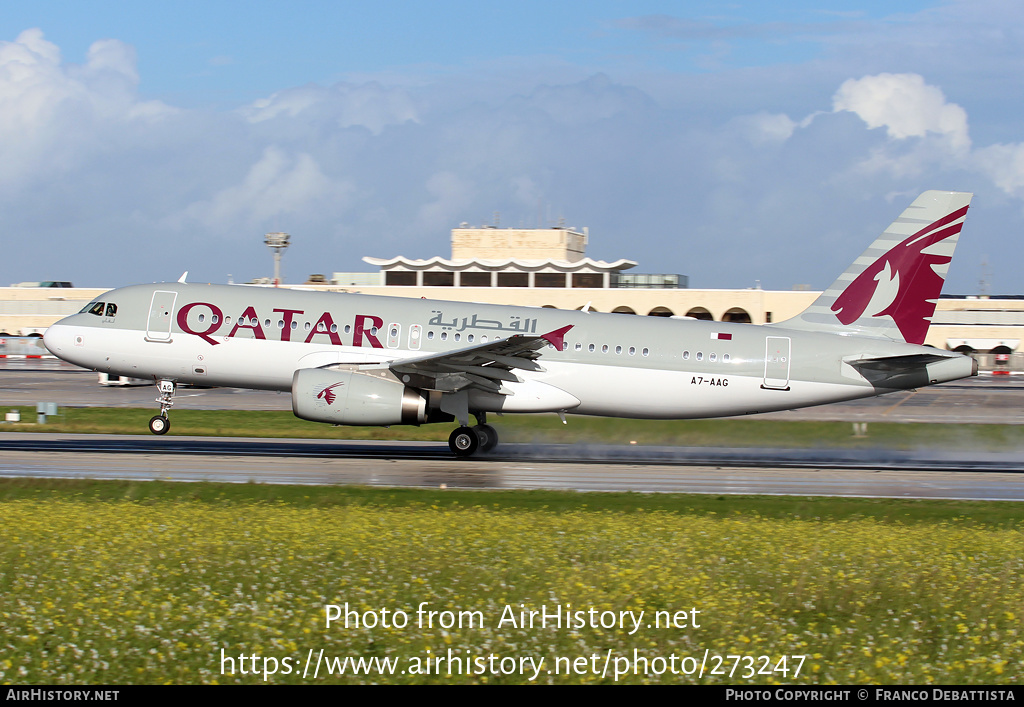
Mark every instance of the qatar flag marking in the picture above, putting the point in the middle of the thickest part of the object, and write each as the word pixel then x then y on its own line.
pixel 721 336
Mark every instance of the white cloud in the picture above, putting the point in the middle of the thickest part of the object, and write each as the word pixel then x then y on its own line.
pixel 452 196
pixel 680 185
pixel 33 86
pixel 277 184
pixel 526 190
pixel 1004 165
pixel 909 108
pixel 54 115
pixel 368 105
pixel 766 128
pixel 905 106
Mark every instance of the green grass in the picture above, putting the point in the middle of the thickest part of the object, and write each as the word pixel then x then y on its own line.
pixel 121 582
pixel 737 432
pixel 997 514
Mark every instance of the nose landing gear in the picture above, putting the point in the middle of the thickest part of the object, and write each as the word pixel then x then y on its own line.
pixel 159 424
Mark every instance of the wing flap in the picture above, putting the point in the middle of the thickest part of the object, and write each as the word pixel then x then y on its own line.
pixel 484 366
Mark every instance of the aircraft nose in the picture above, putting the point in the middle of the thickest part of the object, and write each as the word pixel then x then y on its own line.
pixel 57 339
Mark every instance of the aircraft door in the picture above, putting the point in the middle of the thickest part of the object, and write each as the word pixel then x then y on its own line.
pixel 394 335
pixel 776 363
pixel 161 315
pixel 414 336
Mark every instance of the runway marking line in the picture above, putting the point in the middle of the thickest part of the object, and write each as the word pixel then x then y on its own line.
pixel 893 407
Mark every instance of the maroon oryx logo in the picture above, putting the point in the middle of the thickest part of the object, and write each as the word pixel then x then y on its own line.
pixel 328 393
pixel 911 274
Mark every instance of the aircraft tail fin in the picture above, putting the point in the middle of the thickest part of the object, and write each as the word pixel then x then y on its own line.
pixel 891 290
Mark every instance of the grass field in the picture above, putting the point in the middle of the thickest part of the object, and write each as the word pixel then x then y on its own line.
pixel 735 432
pixel 117 582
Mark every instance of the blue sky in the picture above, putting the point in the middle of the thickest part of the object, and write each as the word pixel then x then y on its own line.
pixel 205 51
pixel 734 142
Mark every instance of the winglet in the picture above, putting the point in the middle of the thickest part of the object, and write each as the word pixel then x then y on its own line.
pixel 557 337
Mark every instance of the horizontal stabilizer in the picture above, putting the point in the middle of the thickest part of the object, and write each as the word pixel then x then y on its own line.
pixel 896 364
pixel 913 370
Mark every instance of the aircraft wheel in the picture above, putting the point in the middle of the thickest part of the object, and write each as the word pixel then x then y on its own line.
pixel 464 442
pixel 488 437
pixel 159 425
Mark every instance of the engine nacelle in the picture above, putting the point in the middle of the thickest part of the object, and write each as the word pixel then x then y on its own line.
pixel 345 397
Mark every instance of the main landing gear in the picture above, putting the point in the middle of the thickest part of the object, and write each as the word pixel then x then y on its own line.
pixel 467 441
pixel 159 424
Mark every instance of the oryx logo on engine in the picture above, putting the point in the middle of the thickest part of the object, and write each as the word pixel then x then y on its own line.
pixel 328 393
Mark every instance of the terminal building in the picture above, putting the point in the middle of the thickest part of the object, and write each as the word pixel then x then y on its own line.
pixel 548 267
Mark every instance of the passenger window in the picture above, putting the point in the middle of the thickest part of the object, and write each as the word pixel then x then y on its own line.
pixel 686 355
pixel 579 346
pixel 700 356
pixel 111 309
pixel 590 348
pixel 430 335
pixel 618 349
pixel 444 336
pixel 632 351
pixel 646 351
pixel 726 358
pixel 713 357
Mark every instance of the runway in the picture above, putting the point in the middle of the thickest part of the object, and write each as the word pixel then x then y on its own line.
pixel 572 467
pixel 980 400
pixel 580 467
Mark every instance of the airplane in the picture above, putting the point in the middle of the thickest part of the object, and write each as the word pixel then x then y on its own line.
pixel 354 359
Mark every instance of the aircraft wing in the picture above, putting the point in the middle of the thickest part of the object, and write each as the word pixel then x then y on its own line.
pixel 483 366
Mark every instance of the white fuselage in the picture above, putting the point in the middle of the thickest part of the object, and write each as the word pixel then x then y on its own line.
pixel 610 365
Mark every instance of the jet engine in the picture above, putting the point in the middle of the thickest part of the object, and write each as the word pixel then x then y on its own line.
pixel 350 397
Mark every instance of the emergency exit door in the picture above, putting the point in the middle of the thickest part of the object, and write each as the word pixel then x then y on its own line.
pixel 776 363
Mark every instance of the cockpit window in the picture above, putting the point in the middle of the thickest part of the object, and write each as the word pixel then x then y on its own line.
pixel 111 309
pixel 94 308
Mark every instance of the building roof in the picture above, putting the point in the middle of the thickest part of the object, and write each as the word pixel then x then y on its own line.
pixel 444 264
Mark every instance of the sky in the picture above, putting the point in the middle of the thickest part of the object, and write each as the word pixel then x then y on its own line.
pixel 741 144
